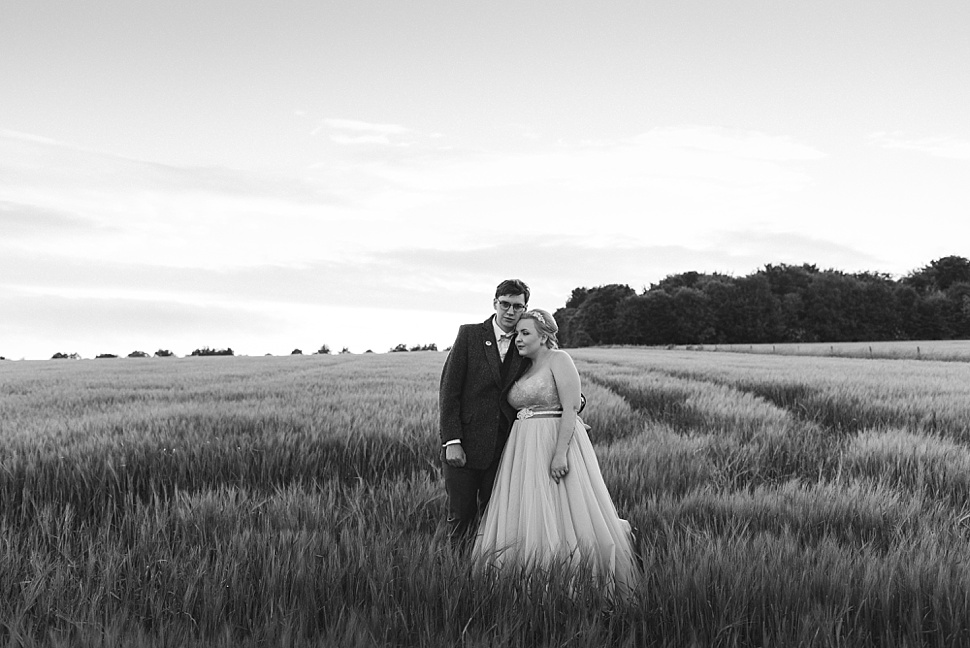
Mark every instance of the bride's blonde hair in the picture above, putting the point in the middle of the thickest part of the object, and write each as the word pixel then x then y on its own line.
pixel 545 325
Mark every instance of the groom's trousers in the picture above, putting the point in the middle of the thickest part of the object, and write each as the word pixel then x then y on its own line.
pixel 469 490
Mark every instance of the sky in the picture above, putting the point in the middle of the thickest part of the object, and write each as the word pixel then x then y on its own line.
pixel 362 174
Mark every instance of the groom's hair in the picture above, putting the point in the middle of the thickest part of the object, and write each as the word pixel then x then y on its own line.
pixel 512 287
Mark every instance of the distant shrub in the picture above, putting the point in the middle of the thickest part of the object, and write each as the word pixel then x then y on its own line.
pixel 65 356
pixel 425 347
pixel 296 352
pixel 323 350
pixel 344 350
pixel 102 356
pixel 206 351
pixel 137 354
pixel 399 348
pixel 163 353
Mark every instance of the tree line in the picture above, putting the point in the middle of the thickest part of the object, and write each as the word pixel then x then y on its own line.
pixel 775 304
pixel 207 351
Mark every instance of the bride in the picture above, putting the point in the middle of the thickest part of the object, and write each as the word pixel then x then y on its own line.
pixel 550 504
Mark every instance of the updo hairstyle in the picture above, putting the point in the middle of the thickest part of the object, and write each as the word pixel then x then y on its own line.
pixel 545 325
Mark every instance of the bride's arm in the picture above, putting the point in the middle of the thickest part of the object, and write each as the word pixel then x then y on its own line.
pixel 568 386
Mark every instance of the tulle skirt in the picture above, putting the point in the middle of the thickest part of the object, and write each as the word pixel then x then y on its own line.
pixel 533 521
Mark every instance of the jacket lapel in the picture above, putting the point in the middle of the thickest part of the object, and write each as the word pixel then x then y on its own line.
pixel 490 346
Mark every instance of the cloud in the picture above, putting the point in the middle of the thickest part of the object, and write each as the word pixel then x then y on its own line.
pixel 731 143
pixel 46 324
pixel 354 125
pixel 28 137
pixel 382 140
pixel 434 280
pixel 31 222
pixel 144 212
pixel 410 294
pixel 349 132
pixel 944 147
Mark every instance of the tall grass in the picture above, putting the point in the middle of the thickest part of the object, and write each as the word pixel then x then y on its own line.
pixel 297 501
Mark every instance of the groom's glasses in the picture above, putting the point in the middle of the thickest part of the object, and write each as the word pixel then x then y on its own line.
pixel 504 305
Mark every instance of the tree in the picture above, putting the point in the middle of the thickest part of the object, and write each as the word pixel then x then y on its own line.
pixel 163 353
pixel 576 299
pixel 693 316
pixel 206 351
pixel 296 352
pixel 564 318
pixel 399 348
pixel 596 315
pixel 648 318
pixel 137 354
pixel 940 274
pixel 323 350
pixel 344 350
pixel 103 356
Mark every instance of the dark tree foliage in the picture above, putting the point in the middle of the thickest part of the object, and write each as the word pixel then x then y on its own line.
pixel 206 351
pixel 596 315
pixel 103 356
pixel 163 353
pixel 778 303
pixel 137 354
pixel 399 349
pixel 296 352
pixel 323 350
pixel 425 347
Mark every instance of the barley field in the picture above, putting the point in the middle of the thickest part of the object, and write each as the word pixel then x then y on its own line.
pixel 946 350
pixel 778 500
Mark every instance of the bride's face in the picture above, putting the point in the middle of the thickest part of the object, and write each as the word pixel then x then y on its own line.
pixel 528 340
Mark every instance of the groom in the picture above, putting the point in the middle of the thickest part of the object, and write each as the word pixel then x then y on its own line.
pixel 481 364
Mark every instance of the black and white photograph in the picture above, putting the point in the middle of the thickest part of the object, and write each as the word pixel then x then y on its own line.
pixel 467 324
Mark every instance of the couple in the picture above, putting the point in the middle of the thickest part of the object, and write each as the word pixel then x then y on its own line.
pixel 515 448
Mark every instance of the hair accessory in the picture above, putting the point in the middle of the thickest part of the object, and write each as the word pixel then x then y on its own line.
pixel 537 315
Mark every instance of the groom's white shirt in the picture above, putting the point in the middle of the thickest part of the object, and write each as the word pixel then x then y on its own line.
pixel 503 342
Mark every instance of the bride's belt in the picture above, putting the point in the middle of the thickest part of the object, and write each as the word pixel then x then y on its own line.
pixel 527 413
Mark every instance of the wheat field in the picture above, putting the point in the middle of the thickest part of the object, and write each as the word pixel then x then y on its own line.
pixel 296 501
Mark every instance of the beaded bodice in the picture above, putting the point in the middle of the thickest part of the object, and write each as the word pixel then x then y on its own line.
pixel 535 392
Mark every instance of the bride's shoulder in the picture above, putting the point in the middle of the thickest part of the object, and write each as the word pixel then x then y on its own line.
pixel 561 358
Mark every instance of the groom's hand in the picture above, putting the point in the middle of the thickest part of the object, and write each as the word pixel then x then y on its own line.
pixel 455 455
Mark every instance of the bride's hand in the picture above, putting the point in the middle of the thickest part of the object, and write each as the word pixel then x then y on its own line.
pixel 559 467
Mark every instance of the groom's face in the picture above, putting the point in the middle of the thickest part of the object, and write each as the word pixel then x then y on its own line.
pixel 508 310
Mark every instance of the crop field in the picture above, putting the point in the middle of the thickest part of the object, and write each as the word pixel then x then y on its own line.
pixel 947 350
pixel 778 500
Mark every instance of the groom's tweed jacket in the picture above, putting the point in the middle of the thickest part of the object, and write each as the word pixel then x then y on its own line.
pixel 472 382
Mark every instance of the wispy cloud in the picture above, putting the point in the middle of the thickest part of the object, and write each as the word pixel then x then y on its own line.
pixel 350 132
pixel 382 140
pixel 28 137
pixel 944 147
pixel 731 143
pixel 145 212
pixel 19 221
pixel 367 127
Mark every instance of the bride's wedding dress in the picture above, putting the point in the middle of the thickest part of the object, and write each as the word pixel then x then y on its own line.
pixel 532 520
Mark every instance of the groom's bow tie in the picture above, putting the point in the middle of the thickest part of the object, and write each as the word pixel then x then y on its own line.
pixel 506 336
